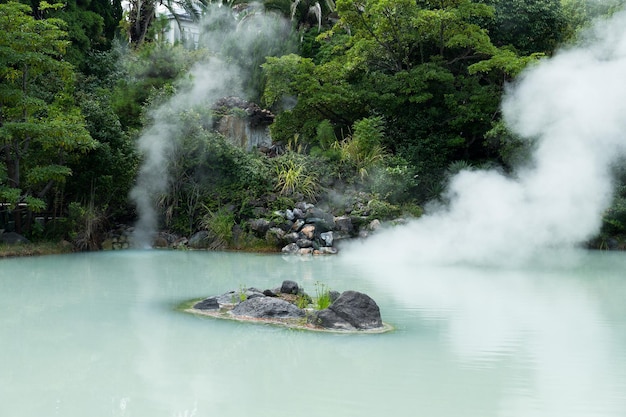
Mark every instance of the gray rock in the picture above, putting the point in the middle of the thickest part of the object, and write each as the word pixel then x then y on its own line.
pixel 206 240
pixel 327 250
pixel 297 225
pixel 327 238
pixel 199 240
pixel 12 238
pixel 234 297
pixel 301 205
pixel 308 231
pixel 374 225
pixel 323 220
pixel 267 307
pixel 304 243
pixel 291 248
pixel 274 236
pixel 333 295
pixel 289 287
pixel 259 226
pixel 328 319
pixel 160 242
pixel 298 214
pixel 291 237
pixel 208 304
pixel 344 224
pixel 358 309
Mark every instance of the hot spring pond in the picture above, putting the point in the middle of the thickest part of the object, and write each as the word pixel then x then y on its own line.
pixel 100 334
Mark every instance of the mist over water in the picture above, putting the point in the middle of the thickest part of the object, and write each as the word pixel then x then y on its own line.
pixel 233 40
pixel 574 106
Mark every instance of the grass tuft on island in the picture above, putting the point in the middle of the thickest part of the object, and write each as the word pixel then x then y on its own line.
pixel 34 249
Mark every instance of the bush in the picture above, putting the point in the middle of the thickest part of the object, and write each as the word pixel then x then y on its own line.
pixel 220 223
pixel 294 178
pixel 382 210
pixel 393 181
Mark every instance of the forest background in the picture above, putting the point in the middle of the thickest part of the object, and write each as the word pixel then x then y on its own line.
pixel 377 104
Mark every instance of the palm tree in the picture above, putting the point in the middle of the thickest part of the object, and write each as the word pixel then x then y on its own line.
pixel 142 13
pixel 303 10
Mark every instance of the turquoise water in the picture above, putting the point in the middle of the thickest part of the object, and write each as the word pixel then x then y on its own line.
pixel 99 335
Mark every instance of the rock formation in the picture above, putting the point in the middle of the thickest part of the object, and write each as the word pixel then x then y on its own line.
pixel 289 305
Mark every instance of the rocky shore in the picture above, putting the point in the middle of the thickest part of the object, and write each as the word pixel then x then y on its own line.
pixel 304 229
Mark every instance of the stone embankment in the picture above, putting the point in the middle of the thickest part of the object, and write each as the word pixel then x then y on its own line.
pixel 306 229
pixel 303 230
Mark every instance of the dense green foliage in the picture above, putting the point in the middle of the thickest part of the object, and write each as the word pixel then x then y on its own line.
pixel 385 97
pixel 41 127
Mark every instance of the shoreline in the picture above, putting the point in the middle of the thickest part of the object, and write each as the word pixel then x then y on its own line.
pixel 294 324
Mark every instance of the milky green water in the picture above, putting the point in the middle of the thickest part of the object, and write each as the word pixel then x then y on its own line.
pixel 99 335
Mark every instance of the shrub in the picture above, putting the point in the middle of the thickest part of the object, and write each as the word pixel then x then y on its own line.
pixel 322 293
pixel 363 150
pixel 383 210
pixel 219 223
pixel 393 181
pixel 293 177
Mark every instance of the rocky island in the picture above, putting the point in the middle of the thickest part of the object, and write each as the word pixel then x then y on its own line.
pixel 289 305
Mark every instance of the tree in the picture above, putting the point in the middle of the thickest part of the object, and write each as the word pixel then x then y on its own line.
pixel 426 67
pixel 529 26
pixel 40 126
pixel 141 15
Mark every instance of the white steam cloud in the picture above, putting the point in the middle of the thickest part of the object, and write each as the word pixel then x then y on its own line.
pixel 233 42
pixel 211 80
pixel 574 106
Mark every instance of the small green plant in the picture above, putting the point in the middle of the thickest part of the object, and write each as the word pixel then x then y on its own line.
pixel 295 144
pixel 322 293
pixel 293 177
pixel 382 209
pixel 219 222
pixel 363 149
pixel 242 293
pixel 302 300
pixel 239 297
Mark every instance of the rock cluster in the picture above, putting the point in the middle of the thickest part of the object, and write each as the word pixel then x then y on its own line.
pixel 306 229
pixel 255 114
pixel 348 311
pixel 118 238
pixel 303 229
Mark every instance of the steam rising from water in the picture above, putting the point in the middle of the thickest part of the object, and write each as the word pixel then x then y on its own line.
pixel 233 44
pixel 211 80
pixel 574 105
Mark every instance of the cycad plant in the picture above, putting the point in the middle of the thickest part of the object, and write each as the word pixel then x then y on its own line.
pixel 311 9
pixel 363 149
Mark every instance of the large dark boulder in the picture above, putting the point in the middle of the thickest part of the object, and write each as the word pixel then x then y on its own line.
pixel 289 287
pixel 358 309
pixel 233 297
pixel 207 304
pixel 267 308
pixel 12 238
pixel 259 226
pixel 291 248
pixel 205 240
pixel 328 319
pixel 322 220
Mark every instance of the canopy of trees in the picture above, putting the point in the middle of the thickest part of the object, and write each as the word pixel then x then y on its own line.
pixel 384 96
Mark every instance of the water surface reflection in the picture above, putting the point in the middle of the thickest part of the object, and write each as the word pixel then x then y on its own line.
pixel 98 334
